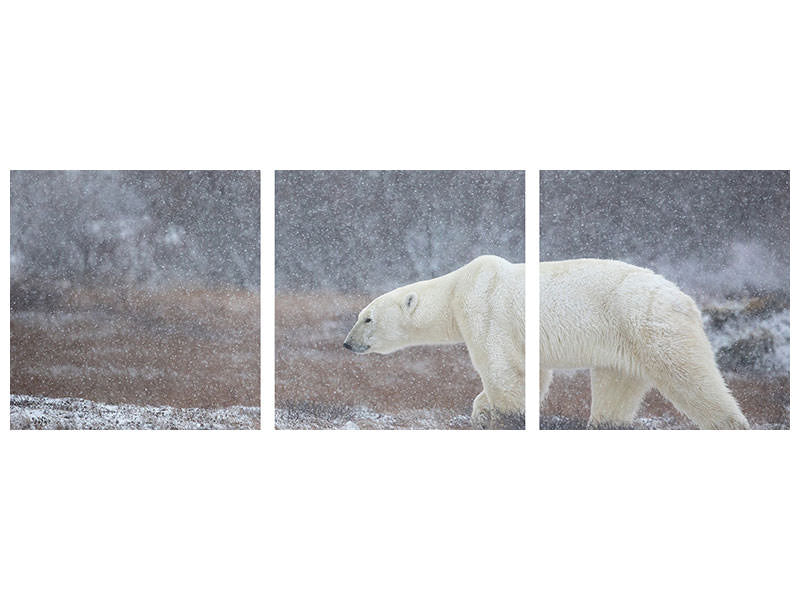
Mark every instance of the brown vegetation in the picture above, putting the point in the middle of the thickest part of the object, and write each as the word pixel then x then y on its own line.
pixel 180 347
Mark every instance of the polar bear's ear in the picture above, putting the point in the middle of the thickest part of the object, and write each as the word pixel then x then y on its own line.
pixel 410 302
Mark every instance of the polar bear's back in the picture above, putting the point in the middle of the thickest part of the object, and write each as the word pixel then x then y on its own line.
pixel 573 295
pixel 603 313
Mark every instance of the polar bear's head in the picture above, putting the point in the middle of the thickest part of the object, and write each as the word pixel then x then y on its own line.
pixel 386 324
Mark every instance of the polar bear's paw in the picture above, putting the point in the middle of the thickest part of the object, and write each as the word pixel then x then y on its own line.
pixel 485 417
pixel 481 412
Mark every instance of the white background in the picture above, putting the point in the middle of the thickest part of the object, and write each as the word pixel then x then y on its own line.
pixel 461 85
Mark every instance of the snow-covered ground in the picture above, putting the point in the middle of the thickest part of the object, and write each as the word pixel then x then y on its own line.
pixel 38 412
pixel 314 416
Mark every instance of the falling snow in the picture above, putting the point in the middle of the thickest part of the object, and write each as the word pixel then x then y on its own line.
pixel 135 289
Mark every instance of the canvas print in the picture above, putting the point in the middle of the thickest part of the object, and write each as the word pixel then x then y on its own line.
pixel 664 299
pixel 135 299
pixel 399 299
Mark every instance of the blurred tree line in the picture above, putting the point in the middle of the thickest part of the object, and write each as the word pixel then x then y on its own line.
pixel 136 227
pixel 372 230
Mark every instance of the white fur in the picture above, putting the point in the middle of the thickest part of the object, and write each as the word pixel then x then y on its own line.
pixel 482 304
pixel 635 330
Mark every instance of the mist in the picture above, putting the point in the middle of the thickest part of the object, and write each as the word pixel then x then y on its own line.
pixel 142 228
pixel 711 232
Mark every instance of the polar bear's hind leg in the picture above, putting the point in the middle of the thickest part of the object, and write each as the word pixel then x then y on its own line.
pixel 707 402
pixel 681 364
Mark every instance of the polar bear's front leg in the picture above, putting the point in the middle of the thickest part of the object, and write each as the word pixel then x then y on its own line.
pixel 615 398
pixel 487 415
pixel 481 412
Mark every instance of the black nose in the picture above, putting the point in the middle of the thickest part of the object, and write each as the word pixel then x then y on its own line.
pixel 348 345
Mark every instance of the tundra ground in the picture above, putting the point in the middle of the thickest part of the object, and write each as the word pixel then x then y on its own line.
pixel 182 348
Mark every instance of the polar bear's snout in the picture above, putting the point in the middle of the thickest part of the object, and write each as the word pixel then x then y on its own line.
pixel 355 340
pixel 362 335
pixel 357 348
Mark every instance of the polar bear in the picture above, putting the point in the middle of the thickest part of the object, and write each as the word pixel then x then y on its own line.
pixel 481 304
pixel 634 330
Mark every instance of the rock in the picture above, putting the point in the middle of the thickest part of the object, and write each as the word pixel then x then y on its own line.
pixel 745 354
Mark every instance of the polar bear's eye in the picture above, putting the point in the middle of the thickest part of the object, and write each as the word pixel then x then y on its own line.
pixel 367 320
